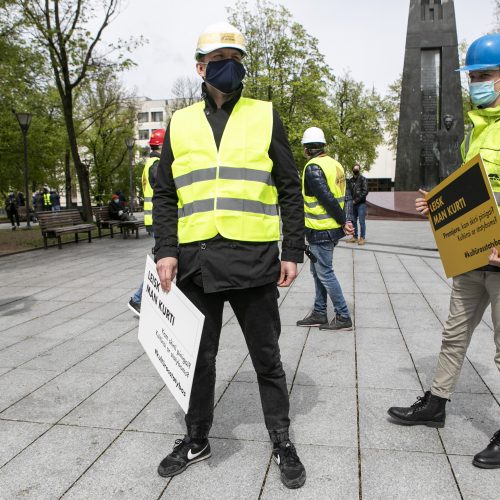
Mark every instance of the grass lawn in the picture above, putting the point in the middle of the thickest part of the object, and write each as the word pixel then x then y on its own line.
pixel 22 239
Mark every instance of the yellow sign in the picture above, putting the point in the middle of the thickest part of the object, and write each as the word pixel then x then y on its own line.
pixel 465 219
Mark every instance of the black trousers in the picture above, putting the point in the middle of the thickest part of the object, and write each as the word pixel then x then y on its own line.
pixel 14 214
pixel 258 315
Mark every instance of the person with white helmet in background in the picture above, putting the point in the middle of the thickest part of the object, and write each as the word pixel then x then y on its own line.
pixel 148 182
pixel 328 218
pixel 226 177
pixel 473 291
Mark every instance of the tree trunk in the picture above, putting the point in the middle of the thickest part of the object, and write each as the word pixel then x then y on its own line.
pixel 67 175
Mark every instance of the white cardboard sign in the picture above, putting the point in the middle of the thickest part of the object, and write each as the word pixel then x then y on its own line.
pixel 170 329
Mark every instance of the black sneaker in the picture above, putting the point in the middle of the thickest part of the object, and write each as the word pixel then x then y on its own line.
pixel 135 307
pixel 293 474
pixel 185 453
pixel 314 319
pixel 338 323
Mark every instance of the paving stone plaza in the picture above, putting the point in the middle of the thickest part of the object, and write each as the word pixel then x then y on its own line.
pixel 84 415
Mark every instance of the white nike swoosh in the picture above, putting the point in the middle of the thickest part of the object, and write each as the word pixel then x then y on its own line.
pixel 191 456
pixel 277 459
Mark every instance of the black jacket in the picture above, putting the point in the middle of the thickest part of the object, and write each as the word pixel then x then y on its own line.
pixel 359 189
pixel 315 184
pixel 220 264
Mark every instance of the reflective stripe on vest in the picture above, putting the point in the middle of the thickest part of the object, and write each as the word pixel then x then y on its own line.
pixel 229 191
pixel 148 191
pixel 46 199
pixel 316 217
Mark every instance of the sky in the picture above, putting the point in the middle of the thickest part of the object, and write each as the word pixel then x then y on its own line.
pixel 364 37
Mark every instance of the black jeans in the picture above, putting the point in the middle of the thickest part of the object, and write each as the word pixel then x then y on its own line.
pixel 257 312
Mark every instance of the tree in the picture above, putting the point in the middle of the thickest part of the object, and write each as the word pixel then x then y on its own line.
pixel 186 91
pixel 390 111
pixel 284 66
pixel 107 119
pixel 61 28
pixel 353 129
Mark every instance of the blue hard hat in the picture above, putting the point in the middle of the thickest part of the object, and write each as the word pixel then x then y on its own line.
pixel 483 53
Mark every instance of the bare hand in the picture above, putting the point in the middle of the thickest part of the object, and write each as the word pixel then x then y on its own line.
pixel 348 228
pixel 166 269
pixel 494 258
pixel 288 273
pixel 420 204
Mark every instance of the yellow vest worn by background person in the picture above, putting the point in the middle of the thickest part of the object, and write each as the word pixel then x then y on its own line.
pixel 485 139
pixel 46 199
pixel 229 191
pixel 148 191
pixel 316 217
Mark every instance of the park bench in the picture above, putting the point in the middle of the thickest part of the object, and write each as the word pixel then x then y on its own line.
pixel 55 224
pixel 103 221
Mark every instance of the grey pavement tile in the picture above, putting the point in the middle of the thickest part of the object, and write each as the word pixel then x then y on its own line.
pixel 70 310
pixel 397 283
pixel 332 473
pixel 473 481
pixel 471 420
pixel 290 314
pixel 25 350
pixel 111 359
pixel 52 401
pixel 18 383
pixel 104 296
pixel 425 341
pixel 326 366
pixel 487 370
pixel 105 311
pixel 105 332
pixel 386 371
pixel 239 414
pixel 47 468
pixel 141 367
pixel 69 329
pixel 116 475
pixel 374 310
pixel 369 282
pixel 324 416
pixel 236 469
pixel 380 339
pixel 164 415
pixel 116 403
pixel 377 431
pixel 64 356
pixel 390 265
pixel 76 294
pixel 406 476
pixel 15 436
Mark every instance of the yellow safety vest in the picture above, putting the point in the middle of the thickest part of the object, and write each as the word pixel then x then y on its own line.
pixel 46 199
pixel 147 190
pixel 316 217
pixel 485 139
pixel 229 191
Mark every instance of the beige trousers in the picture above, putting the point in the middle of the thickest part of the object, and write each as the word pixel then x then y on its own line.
pixel 470 295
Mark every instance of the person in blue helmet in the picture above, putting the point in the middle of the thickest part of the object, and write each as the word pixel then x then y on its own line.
pixel 472 291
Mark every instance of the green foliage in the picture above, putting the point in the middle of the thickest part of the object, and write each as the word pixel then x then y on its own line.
pixel 284 65
pixel 353 129
pixel 108 116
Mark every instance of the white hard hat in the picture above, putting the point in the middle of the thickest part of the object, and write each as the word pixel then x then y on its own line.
pixel 313 135
pixel 218 36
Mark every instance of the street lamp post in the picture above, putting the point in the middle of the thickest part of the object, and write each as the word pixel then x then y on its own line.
pixel 24 120
pixel 130 141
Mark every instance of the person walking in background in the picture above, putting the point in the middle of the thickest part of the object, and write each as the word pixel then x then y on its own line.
pixel 55 201
pixel 38 201
pixel 11 209
pixel 358 186
pixel 226 174
pixel 472 291
pixel 47 205
pixel 324 192
pixel 149 174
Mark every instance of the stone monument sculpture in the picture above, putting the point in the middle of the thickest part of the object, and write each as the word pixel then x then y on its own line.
pixel 431 114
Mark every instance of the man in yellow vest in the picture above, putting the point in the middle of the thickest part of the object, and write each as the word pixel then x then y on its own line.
pixel 149 174
pixel 224 180
pixel 473 291
pixel 324 192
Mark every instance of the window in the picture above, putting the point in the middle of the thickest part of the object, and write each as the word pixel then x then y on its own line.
pixel 142 117
pixel 144 134
pixel 157 116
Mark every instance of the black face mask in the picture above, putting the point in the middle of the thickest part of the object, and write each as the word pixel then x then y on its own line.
pixel 225 75
pixel 355 173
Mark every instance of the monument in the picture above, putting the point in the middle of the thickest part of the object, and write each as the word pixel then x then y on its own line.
pixel 431 124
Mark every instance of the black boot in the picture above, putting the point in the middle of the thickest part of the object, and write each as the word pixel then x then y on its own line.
pixel 428 410
pixel 489 458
